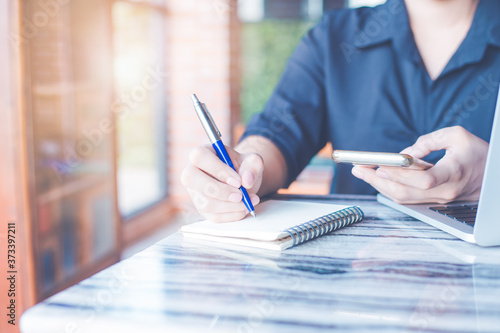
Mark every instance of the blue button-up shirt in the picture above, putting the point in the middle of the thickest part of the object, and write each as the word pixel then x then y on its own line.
pixel 357 80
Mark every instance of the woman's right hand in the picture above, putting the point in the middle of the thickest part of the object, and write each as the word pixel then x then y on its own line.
pixel 214 186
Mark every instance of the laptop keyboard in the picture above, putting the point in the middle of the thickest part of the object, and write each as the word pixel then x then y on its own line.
pixel 462 213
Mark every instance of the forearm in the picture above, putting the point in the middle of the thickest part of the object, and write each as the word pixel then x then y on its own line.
pixel 275 168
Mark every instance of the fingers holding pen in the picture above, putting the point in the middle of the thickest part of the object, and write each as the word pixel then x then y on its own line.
pixel 211 179
pixel 195 179
pixel 204 158
pixel 220 210
pixel 214 187
pixel 251 169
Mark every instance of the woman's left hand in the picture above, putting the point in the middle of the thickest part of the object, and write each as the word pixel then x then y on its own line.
pixel 457 176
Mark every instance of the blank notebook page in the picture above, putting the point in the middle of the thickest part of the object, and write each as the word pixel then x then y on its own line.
pixel 273 217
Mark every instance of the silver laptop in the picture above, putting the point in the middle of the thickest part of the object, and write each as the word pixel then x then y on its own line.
pixel 475 222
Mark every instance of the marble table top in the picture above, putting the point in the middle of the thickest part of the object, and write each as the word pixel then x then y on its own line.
pixel 388 273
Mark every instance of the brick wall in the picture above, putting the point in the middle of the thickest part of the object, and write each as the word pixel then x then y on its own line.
pixel 202 58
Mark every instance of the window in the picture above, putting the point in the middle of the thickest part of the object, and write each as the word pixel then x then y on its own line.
pixel 138 40
pixel 94 113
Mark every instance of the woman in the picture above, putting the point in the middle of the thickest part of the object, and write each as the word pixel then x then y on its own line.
pixel 415 74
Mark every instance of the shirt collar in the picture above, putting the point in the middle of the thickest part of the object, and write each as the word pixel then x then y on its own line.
pixel 390 22
pixel 486 24
pixel 484 31
pixel 380 24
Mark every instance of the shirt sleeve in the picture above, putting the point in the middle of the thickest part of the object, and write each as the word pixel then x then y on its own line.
pixel 295 118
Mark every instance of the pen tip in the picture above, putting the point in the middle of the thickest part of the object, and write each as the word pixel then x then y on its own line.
pixel 194 98
pixel 253 214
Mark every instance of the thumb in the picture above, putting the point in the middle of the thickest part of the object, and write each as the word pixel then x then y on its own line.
pixel 427 143
pixel 251 168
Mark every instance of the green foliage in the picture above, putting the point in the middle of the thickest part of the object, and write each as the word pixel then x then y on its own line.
pixel 266 47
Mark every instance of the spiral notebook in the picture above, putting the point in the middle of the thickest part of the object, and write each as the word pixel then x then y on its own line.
pixel 279 225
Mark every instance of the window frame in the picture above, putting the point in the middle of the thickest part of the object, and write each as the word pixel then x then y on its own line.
pixel 151 218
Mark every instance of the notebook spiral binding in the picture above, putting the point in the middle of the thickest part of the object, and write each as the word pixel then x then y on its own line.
pixel 325 224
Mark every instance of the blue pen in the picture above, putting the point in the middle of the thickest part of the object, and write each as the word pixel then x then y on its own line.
pixel 215 138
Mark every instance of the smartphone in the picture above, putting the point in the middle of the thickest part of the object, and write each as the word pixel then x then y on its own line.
pixel 378 159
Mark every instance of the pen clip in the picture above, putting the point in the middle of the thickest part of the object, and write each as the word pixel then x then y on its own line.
pixel 212 122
